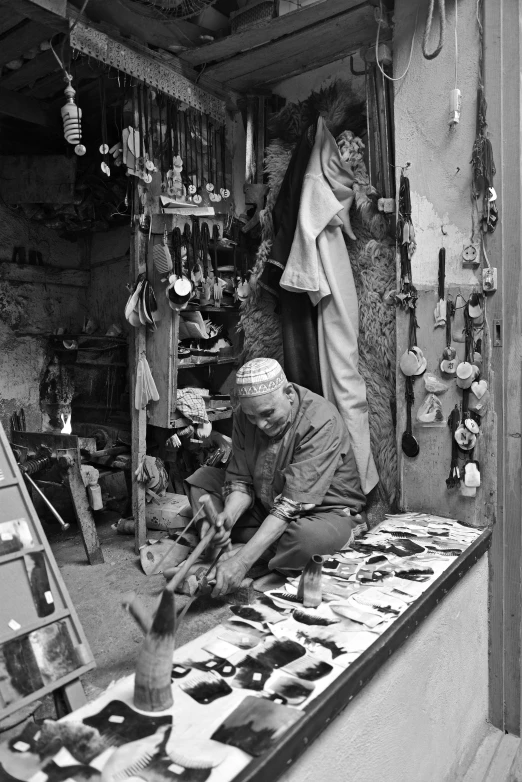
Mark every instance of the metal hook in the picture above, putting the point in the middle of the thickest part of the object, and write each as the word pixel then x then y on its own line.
pixel 444 233
pixel 354 72
pixel 403 168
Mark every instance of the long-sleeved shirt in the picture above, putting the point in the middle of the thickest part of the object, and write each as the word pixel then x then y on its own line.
pixel 311 463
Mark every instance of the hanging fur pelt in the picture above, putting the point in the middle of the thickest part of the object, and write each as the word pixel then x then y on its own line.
pixel 373 262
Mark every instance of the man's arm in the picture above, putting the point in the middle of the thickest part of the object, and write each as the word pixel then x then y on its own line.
pixel 230 574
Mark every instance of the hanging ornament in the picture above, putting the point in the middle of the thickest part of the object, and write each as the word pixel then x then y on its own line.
pixel 104 147
pixel 72 119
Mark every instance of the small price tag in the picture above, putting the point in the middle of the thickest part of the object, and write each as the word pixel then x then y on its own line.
pixel 22 746
pixel 14 625
pixel 49 597
pixel 6 536
pixel 176 769
pixel 64 758
pixel 116 718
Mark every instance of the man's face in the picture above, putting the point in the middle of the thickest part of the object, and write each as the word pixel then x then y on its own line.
pixel 270 412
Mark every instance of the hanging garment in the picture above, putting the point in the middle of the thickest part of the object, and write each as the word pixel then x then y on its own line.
pixel 319 265
pixel 298 316
pixel 146 390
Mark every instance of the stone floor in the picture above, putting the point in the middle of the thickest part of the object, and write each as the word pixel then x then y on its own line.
pixel 96 592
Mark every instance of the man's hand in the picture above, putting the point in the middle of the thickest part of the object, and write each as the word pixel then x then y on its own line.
pixel 228 575
pixel 223 528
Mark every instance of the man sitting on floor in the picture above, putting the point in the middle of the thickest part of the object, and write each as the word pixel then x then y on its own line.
pixel 291 489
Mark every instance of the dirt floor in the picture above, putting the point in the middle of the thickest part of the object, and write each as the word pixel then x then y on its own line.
pixel 96 592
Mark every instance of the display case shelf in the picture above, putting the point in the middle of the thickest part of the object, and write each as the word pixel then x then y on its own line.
pixel 208 361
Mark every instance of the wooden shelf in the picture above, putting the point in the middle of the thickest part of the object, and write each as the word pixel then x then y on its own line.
pixel 213 415
pixel 46 275
pixel 42 621
pixel 18 554
pixel 10 482
pixel 101 363
pixel 212 308
pixel 208 361
pixel 290 44
pixel 106 337
pixel 70 677
pixel 219 415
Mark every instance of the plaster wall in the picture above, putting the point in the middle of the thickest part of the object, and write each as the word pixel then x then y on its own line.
pixel 29 312
pixel 439 157
pixel 440 181
pixel 423 716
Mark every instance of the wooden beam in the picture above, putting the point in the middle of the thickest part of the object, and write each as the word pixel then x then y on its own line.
pixel 44 275
pixel 12 104
pixel 340 34
pixel 166 59
pixel 30 72
pixel 130 18
pixel 51 13
pixel 281 27
pixel 22 39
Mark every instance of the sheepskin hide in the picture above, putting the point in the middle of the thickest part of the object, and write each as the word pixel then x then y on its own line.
pixel 373 263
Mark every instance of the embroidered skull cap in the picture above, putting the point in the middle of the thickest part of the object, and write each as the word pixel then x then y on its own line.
pixel 259 376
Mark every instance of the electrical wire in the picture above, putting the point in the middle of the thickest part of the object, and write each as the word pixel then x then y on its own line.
pixel 396 78
pixel 456 44
pixel 73 26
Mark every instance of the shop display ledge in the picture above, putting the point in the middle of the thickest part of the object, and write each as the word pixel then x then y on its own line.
pixel 328 704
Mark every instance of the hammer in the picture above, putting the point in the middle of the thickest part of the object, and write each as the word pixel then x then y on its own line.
pixel 132 602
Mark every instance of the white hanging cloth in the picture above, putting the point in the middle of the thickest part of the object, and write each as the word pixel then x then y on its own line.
pixel 146 390
pixel 319 264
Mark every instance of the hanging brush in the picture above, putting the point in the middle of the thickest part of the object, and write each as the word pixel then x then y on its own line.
pixel 152 683
pixel 453 479
pixel 440 309
pixel 218 293
pixel 310 583
pixel 104 147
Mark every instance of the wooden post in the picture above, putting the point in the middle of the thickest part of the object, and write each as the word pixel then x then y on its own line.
pixel 502 64
pixel 260 148
pixel 138 417
pixel 250 160
pixel 138 345
pixel 69 460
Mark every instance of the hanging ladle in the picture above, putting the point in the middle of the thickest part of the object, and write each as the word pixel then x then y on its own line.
pixel 180 290
pixel 410 445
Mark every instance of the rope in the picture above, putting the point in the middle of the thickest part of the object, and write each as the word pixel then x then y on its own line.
pixel 396 78
pixel 427 30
